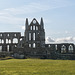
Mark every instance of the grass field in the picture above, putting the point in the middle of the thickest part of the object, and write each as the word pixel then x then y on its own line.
pixel 37 67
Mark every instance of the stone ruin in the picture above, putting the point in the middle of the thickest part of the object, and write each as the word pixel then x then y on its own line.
pixel 32 44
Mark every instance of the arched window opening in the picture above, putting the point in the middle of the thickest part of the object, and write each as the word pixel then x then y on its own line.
pixel 15 40
pixel 8 48
pixel 70 50
pixel 20 39
pixel 15 45
pixel 34 45
pixel 56 47
pixel 29 36
pixel 63 49
pixel 49 46
pixel 2 41
pixel 15 35
pixel 0 34
pixel 36 27
pixel 7 41
pixel 7 34
pixel 29 45
pixel 34 36
pixel 33 27
pixel 0 48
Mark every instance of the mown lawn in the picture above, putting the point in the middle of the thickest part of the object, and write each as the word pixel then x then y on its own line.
pixel 37 67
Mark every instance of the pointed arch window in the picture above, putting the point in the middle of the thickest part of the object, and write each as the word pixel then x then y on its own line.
pixel 30 27
pixel 34 36
pixel 15 40
pixel 7 41
pixel 2 41
pixel 63 49
pixel 30 45
pixel 33 27
pixel 29 36
pixel 56 47
pixel 34 45
pixel 70 50
pixel 49 46
pixel 8 48
pixel 36 27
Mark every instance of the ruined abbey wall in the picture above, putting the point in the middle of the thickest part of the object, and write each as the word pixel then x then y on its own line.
pixel 8 40
pixel 32 44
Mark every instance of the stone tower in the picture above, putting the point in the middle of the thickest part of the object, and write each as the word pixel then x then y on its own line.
pixel 34 34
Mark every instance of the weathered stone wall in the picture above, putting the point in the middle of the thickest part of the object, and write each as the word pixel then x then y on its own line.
pixel 8 40
pixel 32 44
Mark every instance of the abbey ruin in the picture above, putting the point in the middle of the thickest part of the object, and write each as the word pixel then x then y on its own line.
pixel 32 44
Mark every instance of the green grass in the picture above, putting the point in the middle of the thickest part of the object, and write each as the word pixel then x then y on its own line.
pixel 37 67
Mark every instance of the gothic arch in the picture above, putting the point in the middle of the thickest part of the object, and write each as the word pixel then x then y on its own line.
pixel 15 40
pixel 70 49
pixel 2 41
pixel 7 41
pixel 34 45
pixel 63 49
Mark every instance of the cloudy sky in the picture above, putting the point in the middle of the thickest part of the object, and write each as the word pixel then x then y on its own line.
pixel 58 16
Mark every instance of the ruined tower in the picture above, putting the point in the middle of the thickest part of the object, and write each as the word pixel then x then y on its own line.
pixel 34 34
